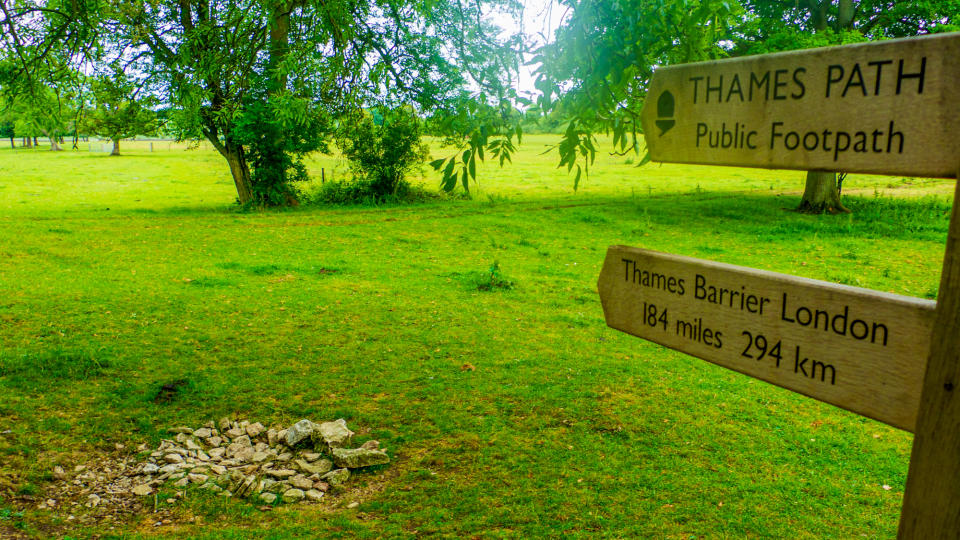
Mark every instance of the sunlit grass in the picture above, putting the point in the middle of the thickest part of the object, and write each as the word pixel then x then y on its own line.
pixel 562 427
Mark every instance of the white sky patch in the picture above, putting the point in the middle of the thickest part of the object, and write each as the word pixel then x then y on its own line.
pixel 541 18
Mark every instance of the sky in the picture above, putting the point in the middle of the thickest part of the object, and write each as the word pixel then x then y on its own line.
pixel 540 19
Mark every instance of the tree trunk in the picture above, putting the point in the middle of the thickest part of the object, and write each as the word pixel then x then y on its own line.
pixel 820 194
pixel 54 145
pixel 12 146
pixel 35 143
pixel 240 172
pixel 27 142
pixel 116 148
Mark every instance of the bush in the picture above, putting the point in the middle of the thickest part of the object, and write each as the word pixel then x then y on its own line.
pixel 383 146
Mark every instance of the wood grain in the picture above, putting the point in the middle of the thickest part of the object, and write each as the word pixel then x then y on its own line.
pixel 931 507
pixel 858 349
pixel 865 99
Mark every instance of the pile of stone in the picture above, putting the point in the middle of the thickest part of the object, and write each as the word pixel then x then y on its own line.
pixel 233 458
pixel 244 459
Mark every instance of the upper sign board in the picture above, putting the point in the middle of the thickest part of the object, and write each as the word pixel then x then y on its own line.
pixel 862 350
pixel 888 107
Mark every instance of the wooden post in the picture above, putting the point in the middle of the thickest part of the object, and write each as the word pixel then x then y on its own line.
pixel 931 505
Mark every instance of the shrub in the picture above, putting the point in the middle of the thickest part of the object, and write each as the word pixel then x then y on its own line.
pixel 383 146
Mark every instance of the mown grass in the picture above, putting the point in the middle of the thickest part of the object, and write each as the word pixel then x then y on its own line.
pixel 510 412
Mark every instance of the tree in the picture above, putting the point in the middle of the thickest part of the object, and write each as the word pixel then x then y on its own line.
pixel 120 110
pixel 596 72
pixel 290 67
pixel 776 25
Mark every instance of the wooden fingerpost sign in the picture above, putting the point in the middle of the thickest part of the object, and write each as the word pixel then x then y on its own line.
pixel 890 107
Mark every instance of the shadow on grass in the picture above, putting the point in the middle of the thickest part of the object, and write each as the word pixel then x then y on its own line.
pixel 773 216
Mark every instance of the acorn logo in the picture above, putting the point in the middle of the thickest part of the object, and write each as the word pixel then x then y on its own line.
pixel 665 107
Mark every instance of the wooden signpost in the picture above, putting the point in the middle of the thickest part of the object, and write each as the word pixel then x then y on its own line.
pixel 888 107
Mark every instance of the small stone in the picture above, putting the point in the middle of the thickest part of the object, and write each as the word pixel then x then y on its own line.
pixel 261 447
pixel 59 473
pixel 197 478
pixel 268 498
pixel 233 433
pixel 272 437
pixel 203 433
pixel 321 485
pixel 150 468
pixel 314 495
pixel 181 438
pixel 218 469
pixel 299 431
pixel 259 457
pixel 181 429
pixel 335 434
pixel 286 456
pixel 210 425
pixel 311 456
pixel 322 466
pixel 118 446
pixel 224 423
pixel 280 473
pixel 245 454
pixel 79 468
pixel 217 453
pixel 214 441
pixel 281 436
pixel 211 486
pixel 202 456
pixel 242 440
pixel 371 445
pixel 171 468
pixel 337 477
pixel 359 457
pixel 301 482
pixel 173 458
pixel 183 482
pixel 293 495
pixel 234 449
pixel 353 505
pixel 93 500
pixel 243 425
pixel 192 445
pixel 142 490
pixel 255 429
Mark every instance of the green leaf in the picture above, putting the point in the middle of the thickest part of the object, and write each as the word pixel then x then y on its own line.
pixel 437 163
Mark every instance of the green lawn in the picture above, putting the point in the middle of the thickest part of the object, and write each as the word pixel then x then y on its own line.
pixel 118 275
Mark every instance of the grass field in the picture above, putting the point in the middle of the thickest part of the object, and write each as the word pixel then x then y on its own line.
pixel 118 275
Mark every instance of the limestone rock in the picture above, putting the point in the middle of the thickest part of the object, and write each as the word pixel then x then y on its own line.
pixel 203 433
pixel 371 445
pixel 217 453
pixel 299 431
pixel 255 429
pixel 322 466
pixel 268 498
pixel 335 434
pixel 301 482
pixel 173 458
pixel 293 495
pixel 142 490
pixel 214 441
pixel 271 437
pixel 314 495
pixel 259 457
pixel 181 429
pixel 359 457
pixel 233 433
pixel 280 473
pixel 183 482
pixel 311 456
pixel 337 477
pixel 224 423
pixel 197 478
pixel 150 468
